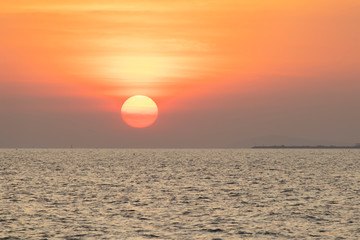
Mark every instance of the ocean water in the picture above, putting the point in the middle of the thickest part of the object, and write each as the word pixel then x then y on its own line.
pixel 179 194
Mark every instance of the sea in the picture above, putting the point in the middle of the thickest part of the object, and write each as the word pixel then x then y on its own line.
pixel 179 194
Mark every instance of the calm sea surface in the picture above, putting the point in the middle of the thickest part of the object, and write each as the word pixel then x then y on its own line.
pixel 179 194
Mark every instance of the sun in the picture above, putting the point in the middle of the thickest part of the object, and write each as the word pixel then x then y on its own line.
pixel 139 111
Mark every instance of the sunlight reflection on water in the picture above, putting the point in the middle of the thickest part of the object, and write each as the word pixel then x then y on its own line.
pixel 179 194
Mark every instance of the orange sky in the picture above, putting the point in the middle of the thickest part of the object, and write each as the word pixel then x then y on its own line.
pixel 184 54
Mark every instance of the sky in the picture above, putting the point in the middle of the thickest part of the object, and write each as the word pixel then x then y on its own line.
pixel 224 73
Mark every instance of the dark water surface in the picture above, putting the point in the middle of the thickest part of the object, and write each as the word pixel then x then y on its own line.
pixel 179 194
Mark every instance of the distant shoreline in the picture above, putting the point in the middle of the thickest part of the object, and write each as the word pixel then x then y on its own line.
pixel 308 147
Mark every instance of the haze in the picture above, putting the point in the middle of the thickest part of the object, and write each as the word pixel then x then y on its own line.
pixel 223 73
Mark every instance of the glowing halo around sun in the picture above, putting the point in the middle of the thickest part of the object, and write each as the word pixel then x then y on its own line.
pixel 139 111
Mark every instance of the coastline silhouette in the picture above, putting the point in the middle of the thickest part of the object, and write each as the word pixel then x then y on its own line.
pixel 308 147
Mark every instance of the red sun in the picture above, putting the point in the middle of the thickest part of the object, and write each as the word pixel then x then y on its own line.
pixel 139 111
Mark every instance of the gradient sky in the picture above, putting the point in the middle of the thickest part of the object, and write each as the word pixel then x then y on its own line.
pixel 224 73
